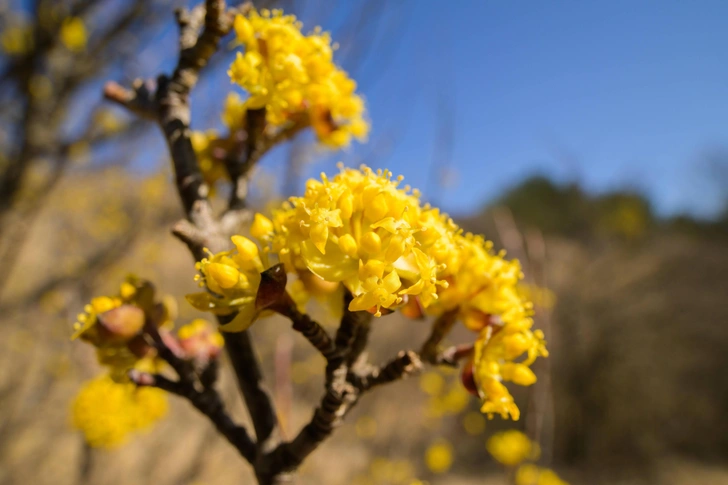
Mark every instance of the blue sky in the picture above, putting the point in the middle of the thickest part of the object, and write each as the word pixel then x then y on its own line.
pixel 609 94
pixel 468 98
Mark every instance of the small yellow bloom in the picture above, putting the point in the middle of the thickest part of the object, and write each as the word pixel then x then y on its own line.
pixel 205 144
pixel 73 34
pixel 232 279
pixel 530 474
pixel 199 338
pixel 512 447
pixel 439 457
pixel 261 227
pixel 293 77
pixel 108 412
pixel 16 39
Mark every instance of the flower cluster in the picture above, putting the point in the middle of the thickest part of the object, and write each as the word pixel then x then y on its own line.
pixel 107 411
pixel 293 77
pixel 484 291
pixel 232 279
pixel 361 230
pixel 200 341
pixel 512 448
pixel 114 325
pixel 212 166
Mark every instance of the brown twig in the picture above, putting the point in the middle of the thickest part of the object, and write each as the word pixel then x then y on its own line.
pixel 209 403
pixel 405 364
pixel 452 356
pixel 440 329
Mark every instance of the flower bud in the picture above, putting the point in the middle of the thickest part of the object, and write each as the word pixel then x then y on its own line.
pixel 121 324
pixel 261 227
pixel 467 377
pixel 199 340
pixel 224 275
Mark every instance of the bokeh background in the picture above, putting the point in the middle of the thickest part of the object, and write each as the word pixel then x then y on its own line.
pixel 590 140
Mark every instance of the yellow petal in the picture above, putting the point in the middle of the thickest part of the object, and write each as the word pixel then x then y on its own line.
pixel 261 227
pixel 247 249
pixel 319 235
pixel 224 275
pixel 243 320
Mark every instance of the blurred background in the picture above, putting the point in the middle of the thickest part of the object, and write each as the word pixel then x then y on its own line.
pixel 590 140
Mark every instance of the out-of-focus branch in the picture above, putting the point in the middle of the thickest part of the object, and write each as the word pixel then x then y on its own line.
pixel 452 356
pixel 250 380
pixel 440 329
pixel 406 363
pixel 168 104
pixel 208 402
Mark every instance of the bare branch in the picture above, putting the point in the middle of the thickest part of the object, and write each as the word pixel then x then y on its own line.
pixel 209 403
pixel 139 100
pixel 250 380
pixel 440 329
pixel 452 356
pixel 405 364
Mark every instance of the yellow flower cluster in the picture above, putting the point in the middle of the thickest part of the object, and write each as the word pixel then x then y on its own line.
pixel 232 278
pixel 114 325
pixel 360 229
pixel 123 321
pixel 294 78
pixel 530 474
pixel 212 168
pixel 73 34
pixel 485 291
pixel 107 412
pixel 16 40
pixel 200 339
pixel 513 448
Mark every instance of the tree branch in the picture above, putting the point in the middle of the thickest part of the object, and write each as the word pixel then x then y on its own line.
pixel 440 329
pixel 405 364
pixel 209 403
pixel 250 381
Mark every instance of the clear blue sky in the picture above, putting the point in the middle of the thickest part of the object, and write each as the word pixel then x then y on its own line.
pixel 606 93
pixel 609 94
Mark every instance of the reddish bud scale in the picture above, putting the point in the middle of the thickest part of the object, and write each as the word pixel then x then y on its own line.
pixel 120 324
pixel 467 376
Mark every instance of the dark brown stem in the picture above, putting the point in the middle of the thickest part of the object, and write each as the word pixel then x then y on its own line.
pixel 405 364
pixel 313 331
pixel 452 356
pixel 209 403
pixel 440 329
pixel 250 380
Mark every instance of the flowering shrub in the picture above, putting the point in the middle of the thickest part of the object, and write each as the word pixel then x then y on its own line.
pixel 358 237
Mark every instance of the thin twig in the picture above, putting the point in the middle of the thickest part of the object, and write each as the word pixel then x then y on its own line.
pixel 440 329
pixel 209 403
pixel 405 364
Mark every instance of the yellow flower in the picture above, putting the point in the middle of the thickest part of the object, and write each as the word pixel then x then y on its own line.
pixel 532 475
pixel 360 229
pixel 114 325
pixel 200 339
pixel 512 447
pixel 439 457
pixel 16 40
pixel 234 112
pixel 73 34
pixel 107 412
pixel 212 167
pixel 293 77
pixel 232 279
